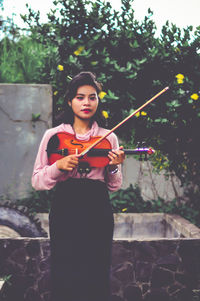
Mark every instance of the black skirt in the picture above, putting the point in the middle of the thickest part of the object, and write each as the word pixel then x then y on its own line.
pixel 81 231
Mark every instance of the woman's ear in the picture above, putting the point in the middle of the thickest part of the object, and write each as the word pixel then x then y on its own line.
pixel 69 103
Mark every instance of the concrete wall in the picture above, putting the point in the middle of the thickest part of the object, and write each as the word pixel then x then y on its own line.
pixel 19 135
pixel 152 185
pixel 20 138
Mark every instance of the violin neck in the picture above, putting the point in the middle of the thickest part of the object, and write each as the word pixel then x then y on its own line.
pixel 136 151
pixel 103 152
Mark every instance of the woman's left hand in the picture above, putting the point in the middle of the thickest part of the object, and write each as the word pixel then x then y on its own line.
pixel 116 156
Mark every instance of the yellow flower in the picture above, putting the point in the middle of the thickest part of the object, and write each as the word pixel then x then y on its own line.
pixel 60 67
pixel 180 78
pixel 177 49
pixel 137 114
pixel 143 113
pixel 79 50
pixel 55 93
pixel 94 63
pixel 195 96
pixel 180 81
pixel 102 94
pixel 105 114
pixel 124 209
pixel 184 166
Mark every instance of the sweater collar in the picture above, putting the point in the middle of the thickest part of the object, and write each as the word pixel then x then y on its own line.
pixel 85 137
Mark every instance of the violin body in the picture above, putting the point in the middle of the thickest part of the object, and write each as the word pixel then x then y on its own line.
pixel 64 144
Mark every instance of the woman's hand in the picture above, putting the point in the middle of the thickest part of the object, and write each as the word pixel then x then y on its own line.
pixel 67 163
pixel 116 157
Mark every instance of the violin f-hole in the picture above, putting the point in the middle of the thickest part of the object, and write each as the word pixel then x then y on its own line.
pixel 73 143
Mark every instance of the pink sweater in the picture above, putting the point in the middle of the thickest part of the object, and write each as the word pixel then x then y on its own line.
pixel 46 176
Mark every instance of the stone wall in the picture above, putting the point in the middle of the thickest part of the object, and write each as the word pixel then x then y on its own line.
pixel 164 270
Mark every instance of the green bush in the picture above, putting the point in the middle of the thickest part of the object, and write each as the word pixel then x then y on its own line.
pixel 22 61
pixel 130 201
pixel 37 201
pixel 132 65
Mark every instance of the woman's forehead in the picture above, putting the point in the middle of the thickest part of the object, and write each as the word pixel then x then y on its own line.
pixel 86 89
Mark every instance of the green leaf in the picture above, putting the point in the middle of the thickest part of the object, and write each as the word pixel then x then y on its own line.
pixel 173 103
pixel 72 59
pixel 181 92
pixel 134 44
pixel 111 95
pixel 161 120
pixel 107 60
pixel 86 53
pixel 128 66
pixel 36 117
pixel 132 75
pixel 140 62
pixel 72 41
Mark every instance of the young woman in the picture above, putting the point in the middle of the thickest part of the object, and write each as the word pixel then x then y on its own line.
pixel 81 219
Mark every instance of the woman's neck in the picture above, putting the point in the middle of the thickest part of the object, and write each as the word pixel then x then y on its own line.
pixel 81 126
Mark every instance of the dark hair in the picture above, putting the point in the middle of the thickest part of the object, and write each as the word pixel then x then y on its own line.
pixel 81 79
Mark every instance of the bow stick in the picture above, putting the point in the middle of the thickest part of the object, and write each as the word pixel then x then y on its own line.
pixel 122 122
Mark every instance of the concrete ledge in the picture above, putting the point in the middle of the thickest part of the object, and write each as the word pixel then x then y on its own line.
pixel 145 226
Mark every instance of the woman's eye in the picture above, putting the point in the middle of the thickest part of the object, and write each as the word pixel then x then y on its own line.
pixel 80 98
pixel 93 98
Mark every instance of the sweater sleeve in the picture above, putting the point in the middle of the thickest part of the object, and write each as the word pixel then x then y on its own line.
pixel 45 176
pixel 114 181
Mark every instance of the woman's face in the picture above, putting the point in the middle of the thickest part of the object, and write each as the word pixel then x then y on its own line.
pixel 85 102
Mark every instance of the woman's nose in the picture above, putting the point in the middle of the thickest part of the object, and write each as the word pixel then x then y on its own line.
pixel 87 101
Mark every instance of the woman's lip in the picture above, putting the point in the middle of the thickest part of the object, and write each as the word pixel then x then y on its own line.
pixel 86 110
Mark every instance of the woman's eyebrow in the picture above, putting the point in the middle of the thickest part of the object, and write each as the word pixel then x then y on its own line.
pixel 80 94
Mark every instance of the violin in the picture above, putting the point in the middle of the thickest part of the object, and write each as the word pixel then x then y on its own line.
pixel 64 144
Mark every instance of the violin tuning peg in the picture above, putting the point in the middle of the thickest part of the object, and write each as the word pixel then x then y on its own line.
pixel 138 144
pixel 143 144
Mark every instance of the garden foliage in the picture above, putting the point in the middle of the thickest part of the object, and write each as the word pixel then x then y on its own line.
pixel 132 64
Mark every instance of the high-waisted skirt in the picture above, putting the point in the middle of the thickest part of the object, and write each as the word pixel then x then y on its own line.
pixel 81 231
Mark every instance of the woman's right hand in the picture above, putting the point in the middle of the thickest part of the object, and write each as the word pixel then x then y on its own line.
pixel 67 163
